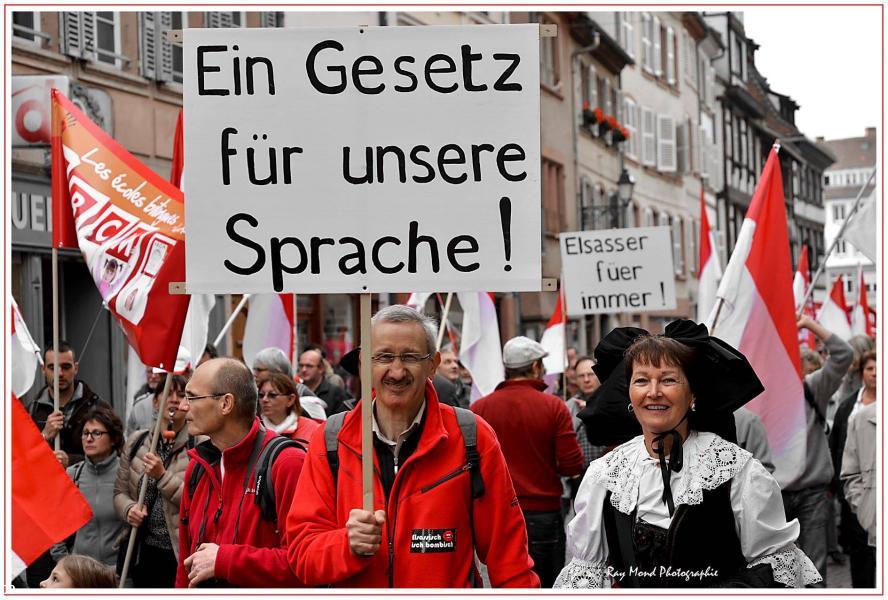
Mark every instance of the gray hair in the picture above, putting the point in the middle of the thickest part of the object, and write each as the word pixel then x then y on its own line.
pixel 235 378
pixel 273 359
pixel 399 313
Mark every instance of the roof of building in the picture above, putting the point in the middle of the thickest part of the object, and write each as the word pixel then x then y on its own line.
pixel 853 153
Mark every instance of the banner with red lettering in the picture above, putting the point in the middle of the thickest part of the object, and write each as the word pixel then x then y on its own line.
pixel 128 222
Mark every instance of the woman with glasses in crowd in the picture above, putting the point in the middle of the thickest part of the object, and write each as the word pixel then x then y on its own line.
pixel 280 410
pixel 94 476
pixel 155 557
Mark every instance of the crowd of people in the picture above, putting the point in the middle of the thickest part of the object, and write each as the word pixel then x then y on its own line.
pixel 645 471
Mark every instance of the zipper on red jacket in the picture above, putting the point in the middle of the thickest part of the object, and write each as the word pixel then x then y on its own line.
pixel 446 478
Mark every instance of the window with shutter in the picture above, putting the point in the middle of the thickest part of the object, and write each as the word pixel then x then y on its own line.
pixel 626 36
pixel 693 253
pixel 681 148
pixel 593 88
pixel 148 40
pixel 648 218
pixel 648 137
pixel 710 85
pixel 25 26
pixel 703 145
pixel 629 122
pixel 107 36
pixel 270 19
pixel 678 258
pixel 658 47
pixel 665 144
pixel 670 56
pixel 690 56
pixel 647 57
pixel 79 35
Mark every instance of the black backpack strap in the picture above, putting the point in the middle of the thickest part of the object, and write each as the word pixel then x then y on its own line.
pixel 77 472
pixel 809 398
pixel 264 497
pixel 139 441
pixel 469 428
pixel 331 443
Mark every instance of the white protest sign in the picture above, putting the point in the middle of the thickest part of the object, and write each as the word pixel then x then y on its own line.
pixel 618 270
pixel 362 159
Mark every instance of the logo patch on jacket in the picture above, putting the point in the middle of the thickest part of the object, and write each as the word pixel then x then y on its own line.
pixel 433 540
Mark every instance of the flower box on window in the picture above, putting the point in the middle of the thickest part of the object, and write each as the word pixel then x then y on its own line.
pixel 591 117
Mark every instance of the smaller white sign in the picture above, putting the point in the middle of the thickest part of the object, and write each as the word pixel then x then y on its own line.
pixel 618 270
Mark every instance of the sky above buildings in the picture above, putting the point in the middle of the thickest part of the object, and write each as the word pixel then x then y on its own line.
pixel 828 59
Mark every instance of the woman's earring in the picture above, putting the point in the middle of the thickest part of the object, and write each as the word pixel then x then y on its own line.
pixel 630 407
pixel 693 406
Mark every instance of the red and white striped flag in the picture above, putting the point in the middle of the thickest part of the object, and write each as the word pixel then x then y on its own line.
pixel 833 314
pixel 40 487
pixel 24 353
pixel 553 342
pixel 800 284
pixel 860 321
pixel 480 350
pixel 270 323
pixel 758 318
pixel 710 270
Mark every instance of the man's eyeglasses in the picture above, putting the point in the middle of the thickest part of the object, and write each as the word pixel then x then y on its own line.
pixel 190 399
pixel 96 435
pixel 407 358
pixel 270 395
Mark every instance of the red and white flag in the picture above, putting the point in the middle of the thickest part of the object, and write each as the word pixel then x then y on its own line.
pixel 39 487
pixel 860 321
pixel 553 342
pixel 710 270
pixel 24 353
pixel 197 322
pixel 480 350
pixel 800 284
pixel 833 314
pixel 270 323
pixel 129 224
pixel 758 318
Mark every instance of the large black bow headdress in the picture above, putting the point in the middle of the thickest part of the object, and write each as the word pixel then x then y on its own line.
pixel 721 378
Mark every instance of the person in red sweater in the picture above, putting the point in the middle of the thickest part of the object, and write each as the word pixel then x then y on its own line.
pixel 540 446
pixel 224 540
pixel 427 526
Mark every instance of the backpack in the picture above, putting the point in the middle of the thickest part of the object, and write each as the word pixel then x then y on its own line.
pixel 261 461
pixel 464 417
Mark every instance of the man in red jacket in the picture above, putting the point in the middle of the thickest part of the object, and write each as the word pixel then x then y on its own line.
pixel 426 526
pixel 224 540
pixel 539 443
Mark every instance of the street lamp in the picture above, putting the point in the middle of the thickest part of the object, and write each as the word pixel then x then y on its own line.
pixel 620 199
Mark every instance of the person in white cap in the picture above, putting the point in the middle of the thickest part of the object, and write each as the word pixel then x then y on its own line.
pixel 143 414
pixel 538 440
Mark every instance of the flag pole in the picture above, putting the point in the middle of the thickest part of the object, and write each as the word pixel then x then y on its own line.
pixel 835 242
pixel 234 314
pixel 366 405
pixel 564 339
pixel 143 488
pixel 295 348
pixel 443 324
pixel 55 338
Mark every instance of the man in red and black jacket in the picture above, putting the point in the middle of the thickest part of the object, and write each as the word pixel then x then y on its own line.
pixel 540 446
pixel 224 539
pixel 428 522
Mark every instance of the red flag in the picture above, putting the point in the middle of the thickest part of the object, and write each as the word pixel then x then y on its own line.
pixel 63 233
pixel 129 225
pixel 710 270
pixel 40 487
pixel 860 321
pixel 758 318
pixel 553 341
pixel 834 313
pixel 800 284
pixel 24 353
pixel 178 154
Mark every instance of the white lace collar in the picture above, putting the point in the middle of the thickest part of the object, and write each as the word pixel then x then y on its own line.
pixel 709 461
